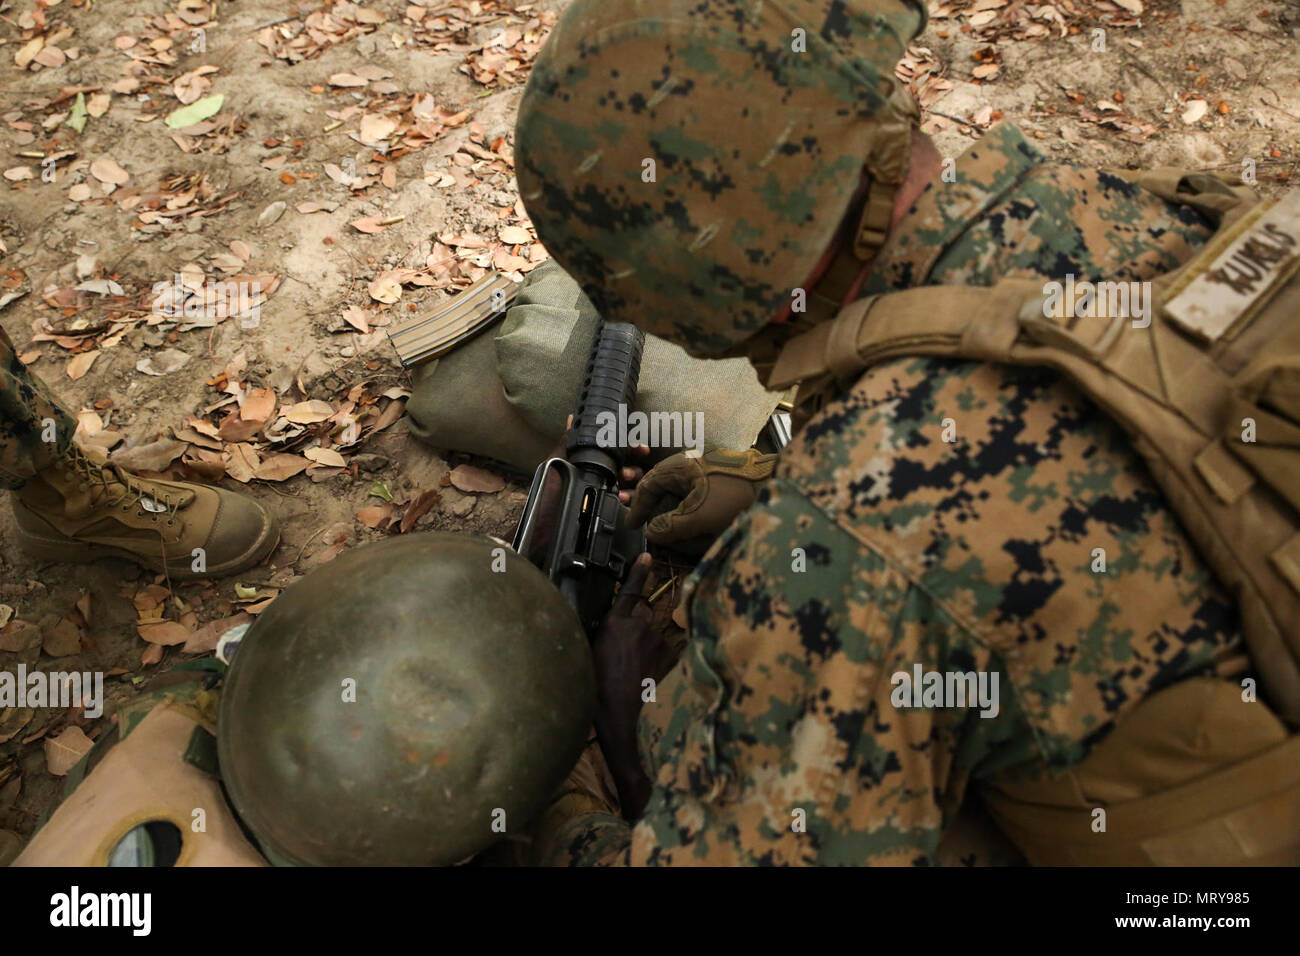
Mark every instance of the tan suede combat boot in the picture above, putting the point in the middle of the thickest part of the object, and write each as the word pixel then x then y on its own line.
pixel 80 509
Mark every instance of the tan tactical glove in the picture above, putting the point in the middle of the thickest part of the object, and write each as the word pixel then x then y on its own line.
pixel 690 501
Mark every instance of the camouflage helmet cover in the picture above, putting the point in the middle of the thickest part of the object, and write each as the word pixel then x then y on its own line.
pixel 407 703
pixel 758 117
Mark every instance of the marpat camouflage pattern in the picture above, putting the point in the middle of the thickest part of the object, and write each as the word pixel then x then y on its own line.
pixel 26 405
pixel 969 555
pixel 691 218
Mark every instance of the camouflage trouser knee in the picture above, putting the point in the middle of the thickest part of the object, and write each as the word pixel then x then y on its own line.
pixel 34 428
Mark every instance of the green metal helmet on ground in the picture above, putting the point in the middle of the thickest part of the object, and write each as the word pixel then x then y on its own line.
pixel 689 161
pixel 409 703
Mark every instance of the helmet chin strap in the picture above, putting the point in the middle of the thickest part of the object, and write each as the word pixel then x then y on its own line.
pixel 846 263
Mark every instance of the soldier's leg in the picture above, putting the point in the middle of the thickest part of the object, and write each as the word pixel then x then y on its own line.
pixel 71 506
pixel 35 430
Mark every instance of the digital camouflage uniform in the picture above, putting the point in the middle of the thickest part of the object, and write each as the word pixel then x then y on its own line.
pixel 781 701
pixel 25 404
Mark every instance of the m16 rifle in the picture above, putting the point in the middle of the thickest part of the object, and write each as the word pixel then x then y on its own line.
pixel 574 527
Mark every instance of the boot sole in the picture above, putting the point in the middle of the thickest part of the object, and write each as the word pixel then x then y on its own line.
pixel 64 550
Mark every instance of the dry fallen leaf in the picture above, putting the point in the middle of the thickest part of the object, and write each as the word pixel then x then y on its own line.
pixel 89 424
pixel 50 56
pixel 473 479
pixel 188 87
pixel 417 508
pixel 514 235
pixel 376 515
pixel 193 12
pixel 357 318
pixel 326 456
pixel 100 287
pixel 271 213
pixel 347 79
pixel 65 751
pixel 1195 110
pixel 79 365
pixel 280 467
pixel 386 287
pixel 107 171
pixel 154 456
pixel 164 633
pixel 63 639
pixel 149 597
pixel 392 413
pixel 18 636
pixel 309 412
pixel 12 721
pixel 83 605
pixel 243 462
pixel 368 224
pixel 236 429
pixel 258 405
pixel 204 640
pixel 24 57
pixel 375 128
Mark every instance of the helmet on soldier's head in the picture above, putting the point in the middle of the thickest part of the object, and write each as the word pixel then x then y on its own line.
pixel 689 162
pixel 409 703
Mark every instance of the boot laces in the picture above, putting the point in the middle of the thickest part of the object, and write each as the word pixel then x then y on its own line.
pixel 109 485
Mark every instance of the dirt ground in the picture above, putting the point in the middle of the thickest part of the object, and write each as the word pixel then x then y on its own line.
pixel 358 172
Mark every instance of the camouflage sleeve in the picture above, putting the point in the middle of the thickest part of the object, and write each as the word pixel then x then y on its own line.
pixel 26 407
pixel 598 839
pixel 784 742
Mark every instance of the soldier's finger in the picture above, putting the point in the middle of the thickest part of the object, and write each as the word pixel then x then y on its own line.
pixel 660 482
pixel 633 586
pixel 671 527
pixel 684 521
